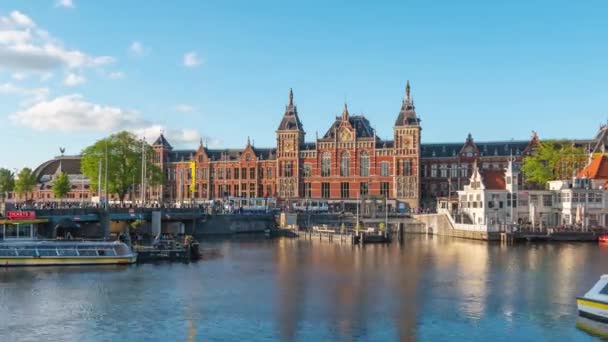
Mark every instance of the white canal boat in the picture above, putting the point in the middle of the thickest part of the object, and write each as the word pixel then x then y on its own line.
pixel 594 304
pixel 19 247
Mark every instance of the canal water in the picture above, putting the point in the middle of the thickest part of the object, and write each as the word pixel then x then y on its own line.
pixel 253 289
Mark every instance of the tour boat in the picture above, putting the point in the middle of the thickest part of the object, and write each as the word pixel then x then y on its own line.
pixel 66 252
pixel 594 304
pixel 19 247
pixel 603 238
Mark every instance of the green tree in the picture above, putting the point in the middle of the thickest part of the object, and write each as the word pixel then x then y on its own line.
pixel 61 185
pixel 26 181
pixel 123 152
pixel 553 160
pixel 7 182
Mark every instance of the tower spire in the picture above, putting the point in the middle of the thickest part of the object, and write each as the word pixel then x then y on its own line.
pixel 407 90
pixel 345 112
pixel 290 97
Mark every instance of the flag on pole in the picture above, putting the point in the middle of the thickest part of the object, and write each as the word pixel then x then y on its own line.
pixel 193 181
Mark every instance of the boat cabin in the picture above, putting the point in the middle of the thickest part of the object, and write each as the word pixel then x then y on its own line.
pixel 19 229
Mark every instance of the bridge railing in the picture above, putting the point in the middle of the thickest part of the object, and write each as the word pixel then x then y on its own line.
pixel 97 211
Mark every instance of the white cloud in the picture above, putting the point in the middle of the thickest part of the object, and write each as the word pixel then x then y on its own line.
pixel 116 75
pixel 19 76
pixel 74 80
pixel 180 136
pixel 72 113
pixel 191 60
pixel 137 49
pixel 26 47
pixel 184 108
pixel 21 19
pixel 31 94
pixel 64 3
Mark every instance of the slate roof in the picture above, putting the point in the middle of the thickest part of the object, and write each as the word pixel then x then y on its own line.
pixel 407 114
pixel 291 120
pixel 486 149
pixel 222 154
pixel 162 141
pixel 69 164
pixel 358 122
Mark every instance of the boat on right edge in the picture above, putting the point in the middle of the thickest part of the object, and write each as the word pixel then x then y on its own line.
pixel 594 304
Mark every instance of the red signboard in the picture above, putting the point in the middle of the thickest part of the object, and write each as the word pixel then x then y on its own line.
pixel 21 215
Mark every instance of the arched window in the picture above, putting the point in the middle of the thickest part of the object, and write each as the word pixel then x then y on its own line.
pixel 364 164
pixel 325 164
pixel 345 164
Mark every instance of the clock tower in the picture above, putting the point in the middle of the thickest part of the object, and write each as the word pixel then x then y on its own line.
pixel 406 153
pixel 290 137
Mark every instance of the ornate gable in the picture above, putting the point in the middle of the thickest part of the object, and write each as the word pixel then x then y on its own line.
pixel 469 149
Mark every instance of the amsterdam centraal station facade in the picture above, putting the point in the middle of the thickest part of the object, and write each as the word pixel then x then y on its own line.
pixel 348 162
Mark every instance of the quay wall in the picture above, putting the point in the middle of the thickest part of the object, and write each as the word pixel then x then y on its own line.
pixel 235 224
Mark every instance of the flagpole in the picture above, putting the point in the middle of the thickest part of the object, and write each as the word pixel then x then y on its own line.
pixel 106 185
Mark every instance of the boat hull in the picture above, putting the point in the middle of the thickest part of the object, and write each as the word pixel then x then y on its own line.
pixel 67 261
pixel 592 309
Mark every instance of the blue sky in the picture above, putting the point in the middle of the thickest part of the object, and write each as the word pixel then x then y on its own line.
pixel 74 71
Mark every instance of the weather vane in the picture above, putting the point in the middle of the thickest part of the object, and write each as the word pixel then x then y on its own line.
pixel 61 150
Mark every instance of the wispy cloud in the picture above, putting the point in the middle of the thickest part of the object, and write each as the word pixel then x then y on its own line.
pixel 72 80
pixel 137 49
pixel 32 95
pixel 191 59
pixel 184 108
pixel 24 46
pixel 116 75
pixel 64 3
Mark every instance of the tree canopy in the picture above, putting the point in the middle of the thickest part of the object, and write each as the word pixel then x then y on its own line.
pixel 7 181
pixel 124 160
pixel 553 160
pixel 61 185
pixel 26 181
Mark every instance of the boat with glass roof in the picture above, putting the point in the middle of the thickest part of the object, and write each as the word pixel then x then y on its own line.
pixel 19 247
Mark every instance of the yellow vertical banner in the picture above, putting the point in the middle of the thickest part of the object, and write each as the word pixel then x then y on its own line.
pixel 193 181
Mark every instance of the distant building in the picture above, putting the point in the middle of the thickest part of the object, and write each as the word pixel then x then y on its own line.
pixel 347 162
pixel 494 201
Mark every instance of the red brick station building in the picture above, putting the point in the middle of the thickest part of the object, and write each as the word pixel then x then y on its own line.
pixel 348 162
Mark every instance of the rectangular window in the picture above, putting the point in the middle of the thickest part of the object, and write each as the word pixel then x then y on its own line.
pixel 288 171
pixel 307 170
pixel 307 190
pixel 434 170
pixel 547 200
pixel 244 172
pixel 454 171
pixel 344 190
pixel 444 170
pixel 384 189
pixel 252 173
pixel 268 190
pixel 228 171
pixel 269 173
pixel 325 190
pixel 236 190
pixel 384 169
pixel 407 167
pixel 363 188
pixel 464 170
pixel 236 173
pixel 220 173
